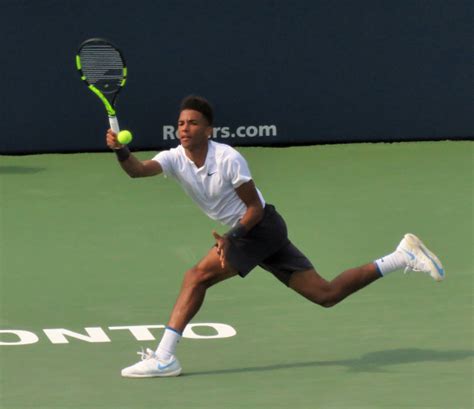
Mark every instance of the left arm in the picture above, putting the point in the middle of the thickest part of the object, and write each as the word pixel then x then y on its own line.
pixel 248 194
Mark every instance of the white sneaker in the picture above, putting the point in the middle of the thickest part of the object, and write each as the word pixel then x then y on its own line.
pixel 420 258
pixel 151 366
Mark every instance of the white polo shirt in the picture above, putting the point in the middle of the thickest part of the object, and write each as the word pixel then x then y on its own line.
pixel 213 185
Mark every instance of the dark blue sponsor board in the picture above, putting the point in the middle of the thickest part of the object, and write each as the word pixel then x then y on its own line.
pixel 317 71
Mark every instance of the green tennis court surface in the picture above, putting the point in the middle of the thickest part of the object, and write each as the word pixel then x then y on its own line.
pixel 83 246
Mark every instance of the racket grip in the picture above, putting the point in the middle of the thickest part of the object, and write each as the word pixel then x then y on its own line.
pixel 114 125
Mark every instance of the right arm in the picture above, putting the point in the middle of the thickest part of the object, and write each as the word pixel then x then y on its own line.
pixel 132 166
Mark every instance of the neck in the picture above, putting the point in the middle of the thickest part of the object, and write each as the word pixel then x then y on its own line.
pixel 197 154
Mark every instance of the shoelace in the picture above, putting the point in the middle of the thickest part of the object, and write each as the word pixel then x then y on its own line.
pixel 146 354
pixel 416 265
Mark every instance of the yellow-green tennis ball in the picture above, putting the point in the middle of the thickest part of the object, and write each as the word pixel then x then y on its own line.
pixel 124 137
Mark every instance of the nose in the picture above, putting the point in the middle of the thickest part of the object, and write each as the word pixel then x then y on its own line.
pixel 184 129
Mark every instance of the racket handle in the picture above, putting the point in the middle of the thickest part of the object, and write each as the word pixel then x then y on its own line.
pixel 114 125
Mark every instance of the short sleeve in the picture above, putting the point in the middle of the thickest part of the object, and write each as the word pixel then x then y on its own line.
pixel 238 170
pixel 165 159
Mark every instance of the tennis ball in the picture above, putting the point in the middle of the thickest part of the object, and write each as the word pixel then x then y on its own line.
pixel 124 137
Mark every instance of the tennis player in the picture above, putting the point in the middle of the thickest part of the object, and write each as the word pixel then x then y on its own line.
pixel 218 179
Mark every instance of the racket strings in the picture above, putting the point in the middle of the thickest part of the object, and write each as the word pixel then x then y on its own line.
pixel 103 67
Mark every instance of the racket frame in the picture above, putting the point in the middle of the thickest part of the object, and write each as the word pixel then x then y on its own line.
pixel 108 104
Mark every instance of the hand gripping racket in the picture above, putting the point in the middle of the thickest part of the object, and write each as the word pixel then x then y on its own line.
pixel 102 67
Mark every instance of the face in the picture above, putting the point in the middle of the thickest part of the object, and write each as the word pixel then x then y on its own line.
pixel 193 129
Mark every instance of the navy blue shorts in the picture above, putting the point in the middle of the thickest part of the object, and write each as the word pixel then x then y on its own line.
pixel 267 245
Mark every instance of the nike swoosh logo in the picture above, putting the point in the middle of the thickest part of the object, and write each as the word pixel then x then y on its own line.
pixel 210 174
pixel 163 367
pixel 411 255
pixel 440 270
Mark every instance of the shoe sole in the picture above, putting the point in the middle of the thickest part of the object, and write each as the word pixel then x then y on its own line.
pixel 437 273
pixel 158 375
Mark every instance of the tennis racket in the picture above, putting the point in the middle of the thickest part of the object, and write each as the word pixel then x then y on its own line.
pixel 102 67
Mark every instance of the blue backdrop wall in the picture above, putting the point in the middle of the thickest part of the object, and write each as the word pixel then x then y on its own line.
pixel 277 72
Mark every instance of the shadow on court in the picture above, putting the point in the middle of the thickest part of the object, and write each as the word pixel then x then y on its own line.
pixel 19 170
pixel 371 362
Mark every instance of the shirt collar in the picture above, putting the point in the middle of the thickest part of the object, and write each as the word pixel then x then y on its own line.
pixel 210 162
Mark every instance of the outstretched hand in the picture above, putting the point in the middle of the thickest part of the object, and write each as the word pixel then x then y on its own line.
pixel 222 243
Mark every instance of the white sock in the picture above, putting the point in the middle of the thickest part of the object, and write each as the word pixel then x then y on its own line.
pixel 393 262
pixel 168 342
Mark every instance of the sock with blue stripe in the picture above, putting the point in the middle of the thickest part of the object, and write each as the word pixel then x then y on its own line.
pixel 167 345
pixel 393 262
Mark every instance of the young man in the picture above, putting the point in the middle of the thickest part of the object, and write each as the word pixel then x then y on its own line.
pixel 218 179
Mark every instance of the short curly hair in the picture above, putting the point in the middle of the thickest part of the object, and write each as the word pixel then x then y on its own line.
pixel 200 104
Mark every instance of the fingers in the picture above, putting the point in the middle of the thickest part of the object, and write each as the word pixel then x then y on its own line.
pixel 220 248
pixel 218 239
pixel 111 139
pixel 221 255
pixel 223 259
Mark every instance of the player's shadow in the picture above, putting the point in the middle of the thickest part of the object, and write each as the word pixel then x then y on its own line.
pixel 372 362
pixel 19 170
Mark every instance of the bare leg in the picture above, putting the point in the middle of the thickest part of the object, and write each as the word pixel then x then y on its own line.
pixel 193 290
pixel 328 293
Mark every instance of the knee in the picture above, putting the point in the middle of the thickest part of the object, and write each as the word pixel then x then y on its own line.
pixel 325 301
